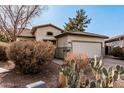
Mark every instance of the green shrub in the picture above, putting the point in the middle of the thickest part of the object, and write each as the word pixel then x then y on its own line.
pixel 118 52
pixel 29 56
pixel 3 56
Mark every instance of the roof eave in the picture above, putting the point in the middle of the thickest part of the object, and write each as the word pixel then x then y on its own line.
pixel 63 34
pixel 27 36
pixel 34 28
pixel 115 38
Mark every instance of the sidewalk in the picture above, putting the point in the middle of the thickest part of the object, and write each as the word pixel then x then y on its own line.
pixel 2 70
pixel 58 61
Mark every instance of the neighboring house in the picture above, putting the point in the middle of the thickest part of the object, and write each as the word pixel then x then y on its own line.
pixel 114 42
pixel 77 42
pixel 26 35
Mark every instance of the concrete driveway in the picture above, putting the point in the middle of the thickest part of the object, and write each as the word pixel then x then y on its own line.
pixel 112 62
pixel 58 61
pixel 106 62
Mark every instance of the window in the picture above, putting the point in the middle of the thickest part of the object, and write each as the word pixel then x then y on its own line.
pixel 49 33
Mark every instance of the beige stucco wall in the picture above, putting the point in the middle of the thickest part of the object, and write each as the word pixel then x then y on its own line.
pixel 62 41
pixel 85 38
pixel 41 33
pixel 66 41
pixel 24 38
pixel 69 38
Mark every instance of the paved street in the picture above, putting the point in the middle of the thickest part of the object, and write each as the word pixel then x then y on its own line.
pixel 106 61
pixel 112 62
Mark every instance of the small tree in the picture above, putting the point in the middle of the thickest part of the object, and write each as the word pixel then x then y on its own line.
pixel 78 23
pixel 15 18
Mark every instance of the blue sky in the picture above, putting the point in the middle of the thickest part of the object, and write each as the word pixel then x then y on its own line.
pixel 106 20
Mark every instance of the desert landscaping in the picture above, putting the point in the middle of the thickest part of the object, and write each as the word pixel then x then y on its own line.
pixel 48 56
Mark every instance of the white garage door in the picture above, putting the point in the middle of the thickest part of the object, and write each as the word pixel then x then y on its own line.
pixel 89 48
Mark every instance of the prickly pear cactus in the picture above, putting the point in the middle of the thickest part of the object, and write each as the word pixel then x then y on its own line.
pixel 96 65
pixel 73 71
pixel 105 78
pixel 73 74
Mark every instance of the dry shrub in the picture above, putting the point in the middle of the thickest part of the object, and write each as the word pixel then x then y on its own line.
pixel 3 56
pixel 44 50
pixel 72 72
pixel 62 80
pixel 29 56
pixel 82 59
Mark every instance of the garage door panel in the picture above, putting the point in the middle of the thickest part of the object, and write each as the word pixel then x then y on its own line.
pixel 89 48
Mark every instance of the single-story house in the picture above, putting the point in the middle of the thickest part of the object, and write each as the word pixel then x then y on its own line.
pixel 77 42
pixel 81 43
pixel 114 42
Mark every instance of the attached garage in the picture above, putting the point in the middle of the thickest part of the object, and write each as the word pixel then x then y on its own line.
pixel 88 48
pixel 81 43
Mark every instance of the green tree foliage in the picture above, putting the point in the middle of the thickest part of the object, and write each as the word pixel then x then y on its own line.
pixel 78 23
